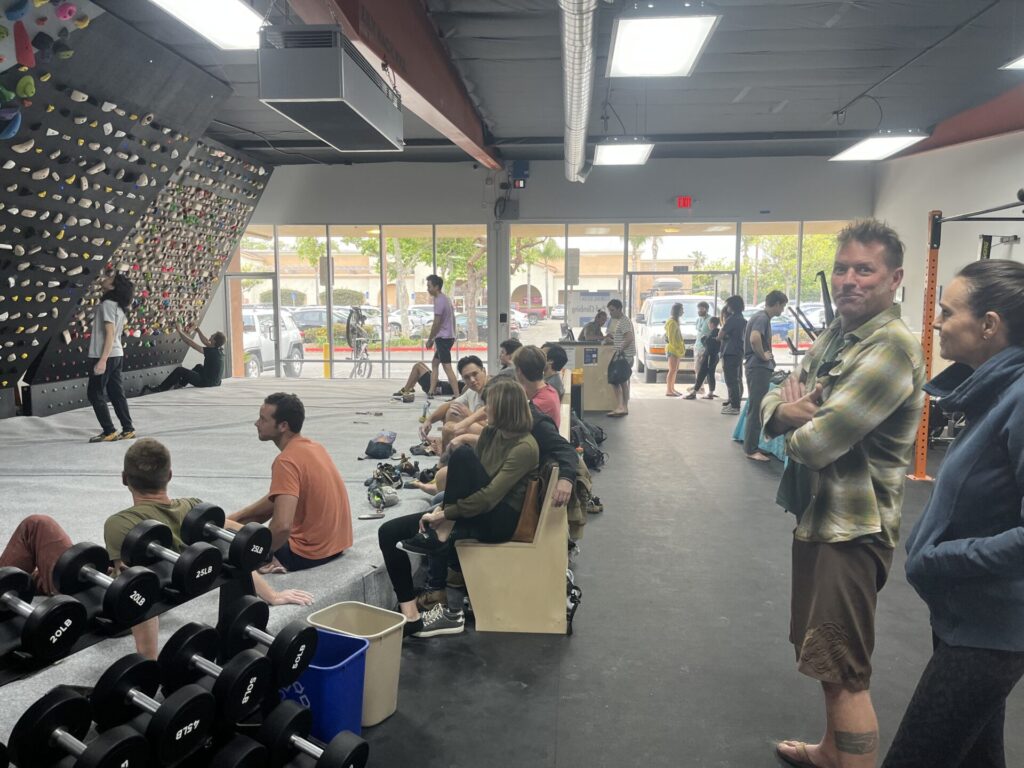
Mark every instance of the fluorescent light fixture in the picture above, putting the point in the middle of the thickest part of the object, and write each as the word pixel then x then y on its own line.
pixel 881 146
pixel 619 151
pixel 1015 64
pixel 671 230
pixel 228 24
pixel 719 228
pixel 658 46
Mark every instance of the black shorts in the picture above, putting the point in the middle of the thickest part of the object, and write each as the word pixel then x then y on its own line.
pixel 443 350
pixel 442 386
pixel 294 562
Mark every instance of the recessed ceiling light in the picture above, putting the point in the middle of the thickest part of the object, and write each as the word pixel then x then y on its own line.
pixel 1017 63
pixel 658 46
pixel 228 24
pixel 622 151
pixel 881 146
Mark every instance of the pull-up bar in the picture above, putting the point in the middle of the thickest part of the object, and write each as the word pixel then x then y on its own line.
pixel 935 222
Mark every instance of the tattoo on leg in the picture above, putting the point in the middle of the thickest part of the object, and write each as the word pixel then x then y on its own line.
pixel 857 743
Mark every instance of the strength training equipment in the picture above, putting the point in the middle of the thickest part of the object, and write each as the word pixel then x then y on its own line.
pixel 52 627
pixel 240 752
pixel 248 548
pixel 290 652
pixel 239 686
pixel 53 728
pixel 195 569
pixel 126 599
pixel 175 728
pixel 285 732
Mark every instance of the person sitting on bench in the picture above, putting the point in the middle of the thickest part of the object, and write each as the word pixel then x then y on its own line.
pixel 307 507
pixel 206 374
pixel 557 360
pixel 506 350
pixel 483 500
pixel 464 414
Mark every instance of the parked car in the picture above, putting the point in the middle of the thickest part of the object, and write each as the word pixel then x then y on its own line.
pixel 815 311
pixel 462 325
pixel 418 324
pixel 649 327
pixel 558 312
pixel 258 337
pixel 521 318
pixel 309 318
pixel 534 312
pixel 782 326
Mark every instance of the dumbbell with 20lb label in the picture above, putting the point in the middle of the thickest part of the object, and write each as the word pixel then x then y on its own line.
pixel 175 728
pixel 54 727
pixel 239 686
pixel 290 651
pixel 194 571
pixel 248 548
pixel 285 733
pixel 50 628
pixel 126 598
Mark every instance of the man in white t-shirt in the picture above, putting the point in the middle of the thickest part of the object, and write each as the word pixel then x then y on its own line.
pixel 465 414
pixel 620 333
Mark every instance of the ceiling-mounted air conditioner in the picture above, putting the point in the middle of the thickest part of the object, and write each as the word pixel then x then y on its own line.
pixel 316 78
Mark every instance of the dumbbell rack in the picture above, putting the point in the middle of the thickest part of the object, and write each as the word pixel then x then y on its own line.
pixel 16 665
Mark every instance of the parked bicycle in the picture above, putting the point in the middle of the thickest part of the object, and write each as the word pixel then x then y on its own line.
pixel 359 341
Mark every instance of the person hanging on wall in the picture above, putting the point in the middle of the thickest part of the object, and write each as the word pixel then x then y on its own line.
pixel 106 356
pixel 206 374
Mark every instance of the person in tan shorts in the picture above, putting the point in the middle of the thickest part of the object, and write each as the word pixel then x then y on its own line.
pixel 307 507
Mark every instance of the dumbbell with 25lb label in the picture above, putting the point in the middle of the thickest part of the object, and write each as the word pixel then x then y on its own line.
pixel 239 687
pixel 126 599
pixel 51 627
pixel 194 571
pixel 54 727
pixel 290 651
pixel 248 548
pixel 285 733
pixel 175 728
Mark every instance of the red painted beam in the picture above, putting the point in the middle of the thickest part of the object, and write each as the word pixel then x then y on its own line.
pixel 400 33
pixel 1003 114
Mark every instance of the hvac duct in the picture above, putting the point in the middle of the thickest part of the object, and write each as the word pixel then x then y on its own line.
pixel 578 18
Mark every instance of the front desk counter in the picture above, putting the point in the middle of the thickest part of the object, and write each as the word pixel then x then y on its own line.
pixel 593 359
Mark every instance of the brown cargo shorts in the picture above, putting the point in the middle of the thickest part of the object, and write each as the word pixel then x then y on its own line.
pixel 832 618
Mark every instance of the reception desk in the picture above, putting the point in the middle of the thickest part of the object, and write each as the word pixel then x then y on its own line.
pixel 593 359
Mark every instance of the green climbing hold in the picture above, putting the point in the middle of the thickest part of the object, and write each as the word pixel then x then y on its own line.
pixel 26 87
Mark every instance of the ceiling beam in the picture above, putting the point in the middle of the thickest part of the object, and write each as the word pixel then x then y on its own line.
pixel 400 33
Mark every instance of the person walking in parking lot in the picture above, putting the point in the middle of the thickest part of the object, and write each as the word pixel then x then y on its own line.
pixel 759 363
pixel 620 333
pixel 731 336
pixel 442 334
pixel 675 348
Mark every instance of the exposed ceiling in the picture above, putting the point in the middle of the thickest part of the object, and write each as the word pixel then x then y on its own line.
pixel 768 83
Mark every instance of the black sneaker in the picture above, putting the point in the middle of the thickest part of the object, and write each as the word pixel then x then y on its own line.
pixel 437 621
pixel 424 543
pixel 104 437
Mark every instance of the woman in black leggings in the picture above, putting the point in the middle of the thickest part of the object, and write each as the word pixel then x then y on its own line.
pixel 482 500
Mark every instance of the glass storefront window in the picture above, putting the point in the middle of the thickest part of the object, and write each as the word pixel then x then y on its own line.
pixel 600 262
pixel 537 281
pixel 819 250
pixel 355 288
pixel 408 259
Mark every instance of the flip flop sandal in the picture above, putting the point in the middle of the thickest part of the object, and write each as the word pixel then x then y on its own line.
pixel 372 516
pixel 796 762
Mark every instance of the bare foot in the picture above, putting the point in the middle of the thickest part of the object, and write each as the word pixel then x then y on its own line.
pixel 758 456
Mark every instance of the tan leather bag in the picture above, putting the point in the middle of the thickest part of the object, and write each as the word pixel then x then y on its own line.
pixel 529 518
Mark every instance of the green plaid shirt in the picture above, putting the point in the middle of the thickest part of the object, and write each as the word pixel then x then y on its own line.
pixel 847 465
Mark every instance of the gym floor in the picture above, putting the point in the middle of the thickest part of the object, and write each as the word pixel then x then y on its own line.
pixel 680 654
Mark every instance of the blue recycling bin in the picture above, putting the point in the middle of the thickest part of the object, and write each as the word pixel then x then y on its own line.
pixel 332 686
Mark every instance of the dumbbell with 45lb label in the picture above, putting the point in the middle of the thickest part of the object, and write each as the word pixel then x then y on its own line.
pixel 194 571
pixel 52 626
pixel 175 728
pixel 248 548
pixel 285 733
pixel 54 727
pixel 290 651
pixel 239 686
pixel 126 599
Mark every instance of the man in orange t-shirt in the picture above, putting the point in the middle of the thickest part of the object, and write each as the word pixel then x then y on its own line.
pixel 307 508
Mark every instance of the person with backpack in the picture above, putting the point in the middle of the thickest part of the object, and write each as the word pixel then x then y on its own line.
pixel 106 358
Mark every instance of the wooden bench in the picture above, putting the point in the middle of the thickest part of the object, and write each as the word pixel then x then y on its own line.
pixel 520 587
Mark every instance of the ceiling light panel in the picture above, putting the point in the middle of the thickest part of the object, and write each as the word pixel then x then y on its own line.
pixel 666 46
pixel 229 24
pixel 879 147
pixel 622 153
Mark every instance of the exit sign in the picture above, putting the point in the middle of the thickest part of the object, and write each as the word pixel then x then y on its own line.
pixel 684 201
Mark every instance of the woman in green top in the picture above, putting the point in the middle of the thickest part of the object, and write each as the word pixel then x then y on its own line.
pixel 483 499
pixel 674 349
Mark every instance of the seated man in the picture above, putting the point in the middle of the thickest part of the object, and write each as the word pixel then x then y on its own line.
pixel 146 474
pixel 530 363
pixel 506 349
pixel 207 374
pixel 307 507
pixel 420 374
pixel 557 360
pixel 466 413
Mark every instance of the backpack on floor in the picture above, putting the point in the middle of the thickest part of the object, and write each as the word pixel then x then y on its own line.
pixel 596 433
pixel 573 598
pixel 593 456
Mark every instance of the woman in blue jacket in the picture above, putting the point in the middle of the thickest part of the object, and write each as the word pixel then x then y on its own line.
pixel 965 556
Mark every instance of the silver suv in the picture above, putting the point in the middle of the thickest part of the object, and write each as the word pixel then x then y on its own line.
pixel 258 335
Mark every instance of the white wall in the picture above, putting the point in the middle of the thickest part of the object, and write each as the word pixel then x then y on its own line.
pixel 955 180
pixel 776 189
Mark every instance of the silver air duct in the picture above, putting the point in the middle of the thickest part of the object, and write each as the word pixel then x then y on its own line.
pixel 578 18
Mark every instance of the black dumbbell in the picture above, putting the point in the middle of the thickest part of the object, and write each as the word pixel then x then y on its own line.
pixel 240 685
pixel 290 651
pixel 52 626
pixel 285 733
pixel 126 599
pixel 195 569
pixel 54 727
pixel 248 548
pixel 240 752
pixel 175 728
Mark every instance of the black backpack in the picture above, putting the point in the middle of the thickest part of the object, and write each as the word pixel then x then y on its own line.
pixel 596 433
pixel 593 456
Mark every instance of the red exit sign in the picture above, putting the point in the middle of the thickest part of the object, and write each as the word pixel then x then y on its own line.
pixel 684 201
